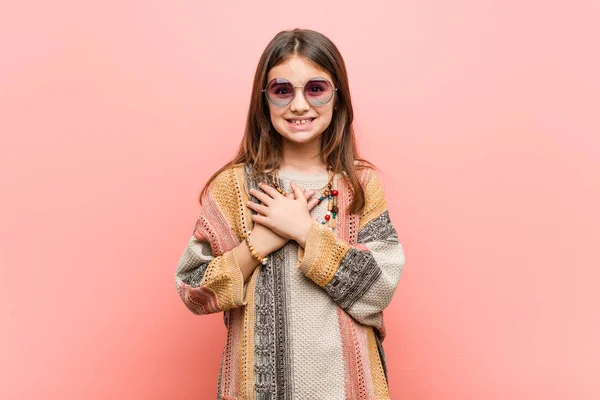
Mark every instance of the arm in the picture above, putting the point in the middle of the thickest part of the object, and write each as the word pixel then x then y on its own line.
pixel 362 278
pixel 209 284
pixel 211 272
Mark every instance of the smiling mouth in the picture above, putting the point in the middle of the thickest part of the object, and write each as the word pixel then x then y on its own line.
pixel 300 122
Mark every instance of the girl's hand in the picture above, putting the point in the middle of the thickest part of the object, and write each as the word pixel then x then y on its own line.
pixel 264 239
pixel 287 217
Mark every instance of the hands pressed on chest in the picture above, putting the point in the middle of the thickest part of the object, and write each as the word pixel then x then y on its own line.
pixel 287 216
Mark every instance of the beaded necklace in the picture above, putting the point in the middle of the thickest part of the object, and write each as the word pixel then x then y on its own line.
pixel 329 192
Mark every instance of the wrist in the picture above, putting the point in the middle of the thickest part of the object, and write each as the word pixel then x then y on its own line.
pixel 256 249
pixel 303 233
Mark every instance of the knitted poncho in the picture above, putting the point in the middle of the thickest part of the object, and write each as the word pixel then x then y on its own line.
pixel 308 325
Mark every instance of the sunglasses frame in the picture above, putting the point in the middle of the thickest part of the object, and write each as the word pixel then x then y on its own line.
pixel 301 87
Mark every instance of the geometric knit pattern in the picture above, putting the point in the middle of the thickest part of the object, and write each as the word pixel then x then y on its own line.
pixel 309 323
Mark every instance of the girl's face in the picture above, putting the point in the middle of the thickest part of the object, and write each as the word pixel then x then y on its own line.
pixel 298 71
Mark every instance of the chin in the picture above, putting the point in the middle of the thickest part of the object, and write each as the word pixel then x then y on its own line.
pixel 301 140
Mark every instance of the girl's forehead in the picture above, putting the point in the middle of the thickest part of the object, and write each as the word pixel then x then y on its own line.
pixel 297 70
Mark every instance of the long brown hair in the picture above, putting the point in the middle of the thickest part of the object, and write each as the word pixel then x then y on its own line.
pixel 261 145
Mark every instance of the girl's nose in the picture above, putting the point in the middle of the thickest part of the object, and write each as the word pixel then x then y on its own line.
pixel 299 103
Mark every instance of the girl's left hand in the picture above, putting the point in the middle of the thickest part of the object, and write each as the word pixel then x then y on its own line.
pixel 286 216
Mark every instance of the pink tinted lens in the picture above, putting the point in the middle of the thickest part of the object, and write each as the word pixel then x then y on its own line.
pixel 280 92
pixel 318 91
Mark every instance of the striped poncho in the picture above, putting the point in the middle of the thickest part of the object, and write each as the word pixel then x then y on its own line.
pixel 308 325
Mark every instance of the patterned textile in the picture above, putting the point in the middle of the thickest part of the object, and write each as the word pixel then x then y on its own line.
pixel 309 323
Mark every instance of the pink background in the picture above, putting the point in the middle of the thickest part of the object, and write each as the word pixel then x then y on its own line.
pixel 483 115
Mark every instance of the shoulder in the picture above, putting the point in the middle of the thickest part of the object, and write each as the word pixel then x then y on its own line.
pixel 227 176
pixel 375 200
pixel 227 183
pixel 223 203
pixel 369 178
pixel 219 217
pixel 368 175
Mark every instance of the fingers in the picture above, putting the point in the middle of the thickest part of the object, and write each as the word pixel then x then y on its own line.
pixel 297 191
pixel 260 219
pixel 271 191
pixel 259 208
pixel 312 204
pixel 264 198
pixel 308 194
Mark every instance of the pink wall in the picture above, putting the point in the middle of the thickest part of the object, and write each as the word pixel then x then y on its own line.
pixel 484 116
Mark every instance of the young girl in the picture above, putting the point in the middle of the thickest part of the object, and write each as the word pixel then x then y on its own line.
pixel 294 242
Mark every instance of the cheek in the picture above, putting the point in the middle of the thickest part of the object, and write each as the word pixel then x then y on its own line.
pixel 327 116
pixel 275 112
pixel 277 121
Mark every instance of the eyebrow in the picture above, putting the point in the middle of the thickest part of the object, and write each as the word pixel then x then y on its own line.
pixel 303 83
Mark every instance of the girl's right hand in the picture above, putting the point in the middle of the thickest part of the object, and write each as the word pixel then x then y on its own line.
pixel 266 241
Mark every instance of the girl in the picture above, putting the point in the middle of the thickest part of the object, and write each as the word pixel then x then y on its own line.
pixel 294 242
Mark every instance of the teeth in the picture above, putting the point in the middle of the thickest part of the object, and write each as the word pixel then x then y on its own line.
pixel 301 122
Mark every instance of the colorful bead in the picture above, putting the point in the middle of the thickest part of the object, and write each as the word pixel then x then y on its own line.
pixel 334 192
pixel 327 217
